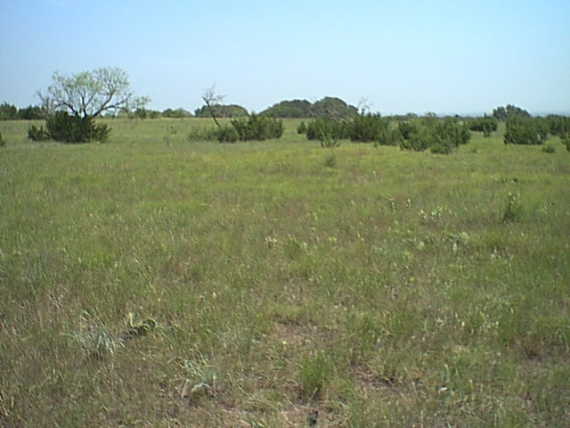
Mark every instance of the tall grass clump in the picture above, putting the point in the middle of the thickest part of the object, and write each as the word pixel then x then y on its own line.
pixel 315 373
pixel 513 208
pixel 198 134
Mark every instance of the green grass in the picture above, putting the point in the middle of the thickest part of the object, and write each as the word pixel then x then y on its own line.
pixel 386 288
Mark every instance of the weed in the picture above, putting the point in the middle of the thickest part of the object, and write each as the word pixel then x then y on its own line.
pixel 315 372
pixel 329 142
pixel 330 160
pixel 94 339
pixel 513 208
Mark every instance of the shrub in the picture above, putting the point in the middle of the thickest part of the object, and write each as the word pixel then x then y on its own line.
pixel 302 128
pixel 330 160
pixel 513 208
pixel 368 127
pixel 227 134
pixel 406 129
pixel 74 129
pixel 202 134
pixel 2 142
pixel 315 374
pixel 258 128
pixel 390 137
pixel 486 125
pixel 549 148
pixel 329 128
pixel 443 135
pixel 328 142
pixel 441 149
pixel 38 134
pixel 558 125
pixel 526 131
pixel 417 141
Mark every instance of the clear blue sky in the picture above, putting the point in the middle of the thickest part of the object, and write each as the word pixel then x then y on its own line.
pixel 402 56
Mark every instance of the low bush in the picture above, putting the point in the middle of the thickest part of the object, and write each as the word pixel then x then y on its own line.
pixel 329 128
pixel 390 137
pixel 566 142
pixel 302 128
pixel 485 124
pixel 526 131
pixel 227 134
pixel 442 135
pixel 70 129
pixel 2 142
pixel 549 148
pixel 258 128
pixel 441 149
pixel 202 134
pixel 368 127
pixel 38 134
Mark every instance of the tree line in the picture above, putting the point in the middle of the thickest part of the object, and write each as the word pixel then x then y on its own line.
pixel 71 104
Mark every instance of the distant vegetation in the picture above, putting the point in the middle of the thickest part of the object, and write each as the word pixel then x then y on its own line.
pixel 11 112
pixel 509 112
pixel 428 132
pixel 222 110
pixel 330 107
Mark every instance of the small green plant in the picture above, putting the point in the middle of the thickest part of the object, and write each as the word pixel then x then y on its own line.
pixel 94 339
pixel 549 148
pixel 302 128
pixel 566 142
pixel 2 142
pixel 513 208
pixel 330 160
pixel 201 379
pixel 316 371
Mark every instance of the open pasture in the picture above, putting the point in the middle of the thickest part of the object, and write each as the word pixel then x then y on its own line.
pixel 153 281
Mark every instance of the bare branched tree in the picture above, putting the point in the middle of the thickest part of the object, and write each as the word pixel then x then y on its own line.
pixel 211 99
pixel 90 93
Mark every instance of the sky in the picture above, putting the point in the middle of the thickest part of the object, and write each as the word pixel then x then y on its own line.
pixel 440 56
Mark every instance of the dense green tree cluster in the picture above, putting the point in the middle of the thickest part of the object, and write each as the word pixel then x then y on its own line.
pixel 253 128
pixel 11 112
pixel 438 135
pixel 485 124
pixel 526 130
pixel 558 125
pixel 221 110
pixel 330 107
pixel 508 112
pixel 178 113
pixel 290 109
pixel 323 128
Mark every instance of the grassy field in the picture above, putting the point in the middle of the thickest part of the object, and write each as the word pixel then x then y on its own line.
pixel 153 281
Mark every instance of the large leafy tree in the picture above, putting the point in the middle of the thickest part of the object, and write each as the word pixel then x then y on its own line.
pixel 90 93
